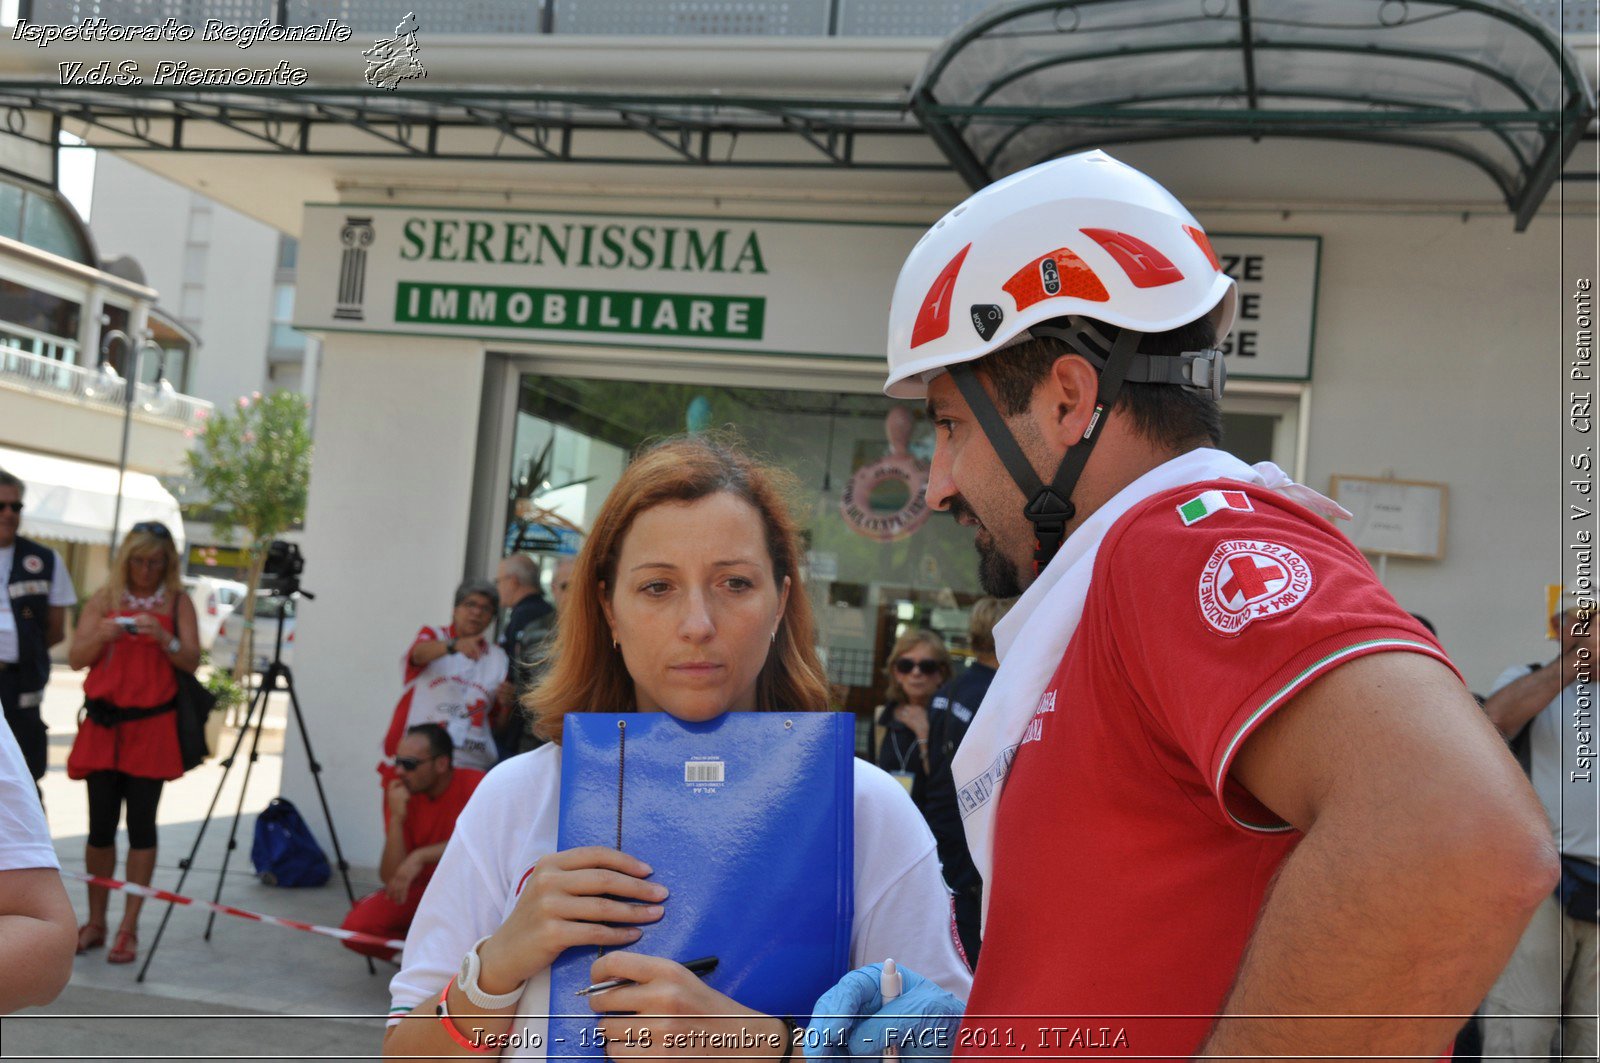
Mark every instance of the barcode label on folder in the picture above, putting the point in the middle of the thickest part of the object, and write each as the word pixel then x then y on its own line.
pixel 702 771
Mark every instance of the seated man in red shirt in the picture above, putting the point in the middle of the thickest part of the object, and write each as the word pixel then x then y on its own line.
pixel 420 809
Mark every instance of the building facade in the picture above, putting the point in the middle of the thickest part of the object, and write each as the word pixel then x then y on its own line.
pixel 71 327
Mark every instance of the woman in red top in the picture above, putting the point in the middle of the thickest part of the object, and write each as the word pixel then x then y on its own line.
pixel 133 632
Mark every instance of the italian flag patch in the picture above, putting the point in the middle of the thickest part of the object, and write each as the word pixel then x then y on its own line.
pixel 1206 503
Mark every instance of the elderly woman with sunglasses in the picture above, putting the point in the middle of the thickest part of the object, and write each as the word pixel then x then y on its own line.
pixel 453 676
pixel 918 665
pixel 132 635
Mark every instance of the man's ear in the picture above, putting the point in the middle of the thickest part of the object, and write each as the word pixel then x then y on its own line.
pixel 1064 402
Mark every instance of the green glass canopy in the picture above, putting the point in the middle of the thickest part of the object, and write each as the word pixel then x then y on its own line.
pixel 1482 80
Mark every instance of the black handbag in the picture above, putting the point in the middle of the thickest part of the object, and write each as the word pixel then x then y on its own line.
pixel 193 703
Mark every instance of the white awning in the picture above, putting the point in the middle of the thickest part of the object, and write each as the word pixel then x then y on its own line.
pixel 76 500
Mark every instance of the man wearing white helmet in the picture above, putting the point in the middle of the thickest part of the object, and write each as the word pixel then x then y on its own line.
pixel 1220 774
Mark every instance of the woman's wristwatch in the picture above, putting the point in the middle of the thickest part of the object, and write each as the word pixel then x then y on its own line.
pixel 174 644
pixel 467 982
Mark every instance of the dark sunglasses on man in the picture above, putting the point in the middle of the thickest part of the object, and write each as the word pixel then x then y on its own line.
pixel 152 527
pixel 15 507
pixel 906 665
pixel 409 763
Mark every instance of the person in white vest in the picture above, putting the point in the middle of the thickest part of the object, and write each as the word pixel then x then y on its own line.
pixel 453 675
pixel 1222 786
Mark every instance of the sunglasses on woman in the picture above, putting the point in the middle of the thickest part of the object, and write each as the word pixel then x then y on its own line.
pixel 152 527
pixel 905 666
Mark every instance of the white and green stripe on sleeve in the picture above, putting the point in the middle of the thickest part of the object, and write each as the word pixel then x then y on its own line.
pixel 1288 690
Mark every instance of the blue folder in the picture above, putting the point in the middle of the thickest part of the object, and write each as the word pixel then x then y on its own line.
pixel 749 821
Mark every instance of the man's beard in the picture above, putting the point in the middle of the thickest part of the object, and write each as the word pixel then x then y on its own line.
pixel 997 573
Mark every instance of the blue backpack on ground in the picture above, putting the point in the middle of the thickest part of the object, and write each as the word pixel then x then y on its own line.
pixel 284 852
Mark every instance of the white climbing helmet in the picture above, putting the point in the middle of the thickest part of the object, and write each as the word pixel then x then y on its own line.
pixel 1081 235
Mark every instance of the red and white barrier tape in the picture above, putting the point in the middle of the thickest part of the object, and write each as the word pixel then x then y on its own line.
pixel 227 909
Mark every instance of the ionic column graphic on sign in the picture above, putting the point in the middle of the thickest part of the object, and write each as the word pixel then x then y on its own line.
pixel 356 236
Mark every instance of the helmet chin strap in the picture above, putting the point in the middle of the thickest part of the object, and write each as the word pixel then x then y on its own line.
pixel 1050 506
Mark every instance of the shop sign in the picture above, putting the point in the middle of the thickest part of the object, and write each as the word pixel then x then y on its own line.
pixel 1277 276
pixel 711 283
pixel 218 557
pixel 735 284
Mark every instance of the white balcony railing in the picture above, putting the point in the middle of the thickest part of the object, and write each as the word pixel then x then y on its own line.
pixel 46 376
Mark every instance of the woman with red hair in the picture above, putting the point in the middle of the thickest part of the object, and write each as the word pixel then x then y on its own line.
pixel 685 599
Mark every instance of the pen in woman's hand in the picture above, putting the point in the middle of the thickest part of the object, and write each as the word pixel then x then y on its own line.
pixel 702 967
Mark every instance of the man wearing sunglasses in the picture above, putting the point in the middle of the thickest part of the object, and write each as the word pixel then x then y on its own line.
pixel 33 618
pixel 421 805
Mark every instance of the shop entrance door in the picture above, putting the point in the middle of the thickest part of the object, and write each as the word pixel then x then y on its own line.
pixel 562 433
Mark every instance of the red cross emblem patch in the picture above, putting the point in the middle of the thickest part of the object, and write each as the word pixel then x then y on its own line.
pixel 1246 580
pixel 32 565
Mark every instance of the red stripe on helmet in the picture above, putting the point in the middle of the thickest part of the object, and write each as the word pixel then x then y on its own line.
pixel 1205 245
pixel 1074 279
pixel 933 320
pixel 1145 266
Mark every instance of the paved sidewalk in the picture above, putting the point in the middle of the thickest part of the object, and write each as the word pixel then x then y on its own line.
pixel 246 969
pixel 89 1023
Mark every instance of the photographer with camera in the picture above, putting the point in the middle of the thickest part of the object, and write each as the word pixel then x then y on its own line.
pixel 452 675
pixel 134 632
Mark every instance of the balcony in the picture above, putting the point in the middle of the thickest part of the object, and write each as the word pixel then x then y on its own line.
pixel 74 411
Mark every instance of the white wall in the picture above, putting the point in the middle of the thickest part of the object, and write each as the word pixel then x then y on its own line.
pixel 236 315
pixel 1439 356
pixel 232 258
pixel 137 213
pixel 386 532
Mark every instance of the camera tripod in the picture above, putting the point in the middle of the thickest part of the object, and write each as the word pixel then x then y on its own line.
pixel 277 672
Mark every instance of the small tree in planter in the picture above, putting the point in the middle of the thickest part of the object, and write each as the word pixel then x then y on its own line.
pixel 253 465
pixel 230 698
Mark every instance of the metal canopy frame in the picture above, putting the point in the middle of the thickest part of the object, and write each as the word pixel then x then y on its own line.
pixel 1480 80
pixel 464 124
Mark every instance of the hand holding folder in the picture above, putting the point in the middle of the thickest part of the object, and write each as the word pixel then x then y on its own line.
pixel 569 901
pixel 748 820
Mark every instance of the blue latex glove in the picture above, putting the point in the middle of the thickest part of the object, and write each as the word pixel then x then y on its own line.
pixel 851 1019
